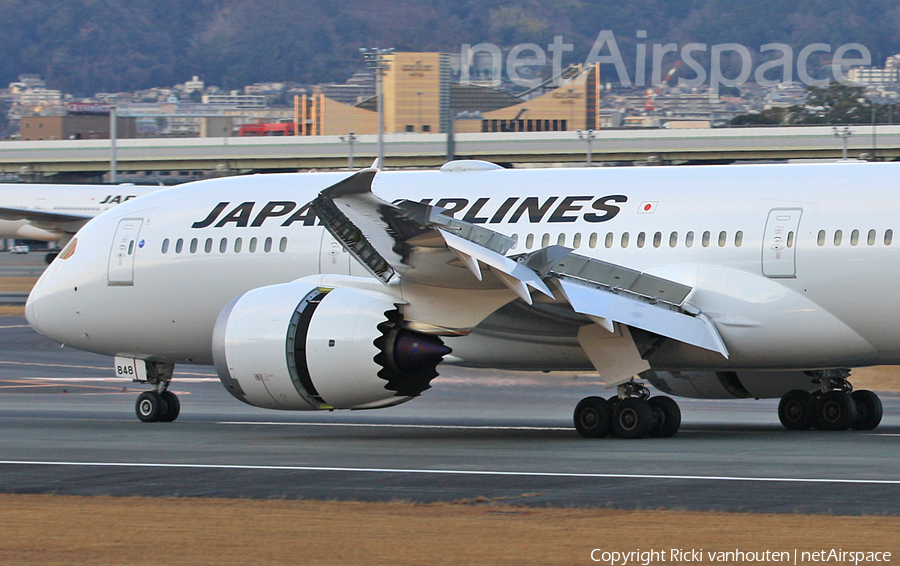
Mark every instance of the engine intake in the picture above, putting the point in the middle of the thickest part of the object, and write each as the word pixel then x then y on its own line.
pixel 297 346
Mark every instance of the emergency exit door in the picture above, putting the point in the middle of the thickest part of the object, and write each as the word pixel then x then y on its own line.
pixel 779 251
pixel 121 255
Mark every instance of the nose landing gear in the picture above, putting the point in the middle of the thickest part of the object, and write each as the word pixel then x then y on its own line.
pixel 159 405
pixel 631 414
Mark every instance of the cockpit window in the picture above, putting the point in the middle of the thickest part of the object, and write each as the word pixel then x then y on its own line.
pixel 67 251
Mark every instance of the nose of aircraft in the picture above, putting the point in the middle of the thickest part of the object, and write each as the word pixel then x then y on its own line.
pixel 29 311
pixel 54 299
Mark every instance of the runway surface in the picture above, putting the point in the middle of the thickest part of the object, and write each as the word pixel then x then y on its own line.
pixel 67 426
pixel 31 264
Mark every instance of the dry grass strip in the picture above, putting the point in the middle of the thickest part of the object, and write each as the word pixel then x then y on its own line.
pixel 51 530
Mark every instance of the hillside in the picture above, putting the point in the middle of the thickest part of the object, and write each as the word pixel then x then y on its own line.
pixel 84 46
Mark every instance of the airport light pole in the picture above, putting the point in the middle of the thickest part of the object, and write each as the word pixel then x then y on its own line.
pixel 113 165
pixel 587 136
pixel 843 134
pixel 419 100
pixel 374 58
pixel 350 139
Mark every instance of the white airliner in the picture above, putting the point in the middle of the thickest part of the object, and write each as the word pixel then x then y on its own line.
pixel 54 213
pixel 743 281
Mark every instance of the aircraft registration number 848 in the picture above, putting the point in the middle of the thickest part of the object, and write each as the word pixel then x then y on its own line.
pixel 131 367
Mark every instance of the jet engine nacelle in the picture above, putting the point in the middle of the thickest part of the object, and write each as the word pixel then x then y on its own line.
pixel 298 346
pixel 731 384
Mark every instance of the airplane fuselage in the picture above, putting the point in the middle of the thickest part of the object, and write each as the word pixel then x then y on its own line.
pixel 795 264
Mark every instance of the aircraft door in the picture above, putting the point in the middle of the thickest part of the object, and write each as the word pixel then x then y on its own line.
pixel 333 258
pixel 779 246
pixel 121 255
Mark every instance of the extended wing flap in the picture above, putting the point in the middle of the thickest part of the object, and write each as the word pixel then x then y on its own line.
pixel 696 330
pixel 513 274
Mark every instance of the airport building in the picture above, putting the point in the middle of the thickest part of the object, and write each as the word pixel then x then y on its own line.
pixel 75 127
pixel 420 97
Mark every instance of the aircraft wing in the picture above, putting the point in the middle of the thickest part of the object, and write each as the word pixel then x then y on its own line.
pixel 46 220
pixel 416 242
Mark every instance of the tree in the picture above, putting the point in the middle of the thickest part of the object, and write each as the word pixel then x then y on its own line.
pixel 770 116
pixel 836 104
pixel 833 104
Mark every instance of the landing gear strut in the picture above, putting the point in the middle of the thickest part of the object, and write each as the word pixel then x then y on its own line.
pixel 159 405
pixel 631 414
pixel 835 407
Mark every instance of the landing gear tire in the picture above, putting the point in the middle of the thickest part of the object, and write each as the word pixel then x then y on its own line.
pixel 613 401
pixel 836 410
pixel 150 406
pixel 797 410
pixel 868 410
pixel 632 418
pixel 173 407
pixel 666 416
pixel 50 257
pixel 592 417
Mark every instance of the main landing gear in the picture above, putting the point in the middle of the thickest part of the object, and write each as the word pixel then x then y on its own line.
pixel 160 404
pixel 630 414
pixel 835 407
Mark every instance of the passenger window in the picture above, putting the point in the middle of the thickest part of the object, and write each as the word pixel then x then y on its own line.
pixel 704 241
pixel 237 245
pixel 723 238
pixel 529 241
pixel 871 239
pixel 165 246
pixel 207 246
pixel 515 244
pixel 610 240
pixel 282 245
pixel 640 239
pixel 790 239
pixel 673 239
pixel 592 241
pixel 739 238
pixel 657 239
pixel 838 236
pixel 131 247
pixel 545 240
pixel 179 246
pixel 689 239
pixel 854 238
pixel 820 240
pixel 576 241
pixel 888 237
pixel 252 245
pixel 625 239
pixel 194 246
pixel 561 240
pixel 268 245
